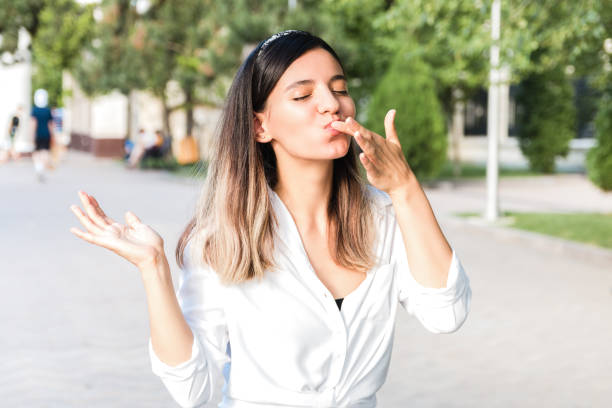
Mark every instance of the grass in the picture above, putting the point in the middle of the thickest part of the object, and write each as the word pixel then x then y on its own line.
pixel 476 171
pixel 197 169
pixel 588 228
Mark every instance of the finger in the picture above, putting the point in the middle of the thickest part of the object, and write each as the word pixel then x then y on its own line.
pixel 367 163
pixel 85 220
pixel 366 145
pixel 106 218
pixel 349 126
pixel 131 219
pixel 92 212
pixel 93 239
pixel 390 131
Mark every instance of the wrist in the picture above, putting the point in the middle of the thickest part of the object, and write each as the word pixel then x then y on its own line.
pixel 405 191
pixel 155 268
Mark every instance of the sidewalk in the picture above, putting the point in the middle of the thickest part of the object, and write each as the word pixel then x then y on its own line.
pixel 75 325
pixel 552 193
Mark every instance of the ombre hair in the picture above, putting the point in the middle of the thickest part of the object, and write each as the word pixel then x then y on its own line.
pixel 234 227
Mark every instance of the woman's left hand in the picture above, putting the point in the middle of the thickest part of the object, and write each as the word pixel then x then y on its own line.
pixel 383 159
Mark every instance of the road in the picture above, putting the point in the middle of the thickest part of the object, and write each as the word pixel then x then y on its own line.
pixel 74 322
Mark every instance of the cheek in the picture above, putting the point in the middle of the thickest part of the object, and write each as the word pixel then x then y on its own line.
pixel 287 119
pixel 347 107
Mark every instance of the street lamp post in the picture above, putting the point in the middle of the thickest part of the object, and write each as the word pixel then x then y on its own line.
pixel 493 118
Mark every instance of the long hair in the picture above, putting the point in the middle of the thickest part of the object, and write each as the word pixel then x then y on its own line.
pixel 234 226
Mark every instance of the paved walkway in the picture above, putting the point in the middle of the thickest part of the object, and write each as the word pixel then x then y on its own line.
pixel 74 323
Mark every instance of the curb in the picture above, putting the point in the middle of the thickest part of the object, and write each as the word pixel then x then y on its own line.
pixel 535 240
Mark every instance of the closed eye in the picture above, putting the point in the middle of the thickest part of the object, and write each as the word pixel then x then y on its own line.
pixel 301 98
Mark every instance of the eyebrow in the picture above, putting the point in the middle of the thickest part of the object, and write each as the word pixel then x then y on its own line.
pixel 310 81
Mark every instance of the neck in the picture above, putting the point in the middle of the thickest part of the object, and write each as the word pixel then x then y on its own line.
pixel 305 188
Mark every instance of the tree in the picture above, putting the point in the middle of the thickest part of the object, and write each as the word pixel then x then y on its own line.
pixel 419 120
pixel 58 30
pixel 599 158
pixel 15 15
pixel 65 27
pixel 546 119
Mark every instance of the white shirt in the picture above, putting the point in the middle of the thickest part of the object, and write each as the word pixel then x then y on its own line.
pixel 290 345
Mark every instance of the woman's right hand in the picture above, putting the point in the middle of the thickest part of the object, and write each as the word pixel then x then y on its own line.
pixel 135 241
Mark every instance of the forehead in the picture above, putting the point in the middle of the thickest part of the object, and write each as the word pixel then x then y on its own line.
pixel 316 64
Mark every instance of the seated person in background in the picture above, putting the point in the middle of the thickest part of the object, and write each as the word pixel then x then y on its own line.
pixel 147 145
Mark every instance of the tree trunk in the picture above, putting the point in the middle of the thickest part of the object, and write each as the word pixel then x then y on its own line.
pixel 457 131
pixel 166 116
pixel 189 111
pixel 129 115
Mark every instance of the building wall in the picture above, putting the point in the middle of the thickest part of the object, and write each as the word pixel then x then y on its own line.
pixel 100 125
pixel 15 88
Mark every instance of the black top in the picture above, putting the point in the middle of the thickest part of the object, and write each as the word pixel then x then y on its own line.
pixel 43 117
pixel 339 302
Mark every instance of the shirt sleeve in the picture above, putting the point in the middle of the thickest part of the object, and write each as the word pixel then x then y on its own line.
pixel 440 310
pixel 199 379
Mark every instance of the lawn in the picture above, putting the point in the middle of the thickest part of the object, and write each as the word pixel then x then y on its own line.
pixel 589 228
pixel 475 171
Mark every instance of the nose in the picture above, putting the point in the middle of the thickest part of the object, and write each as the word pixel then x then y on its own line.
pixel 327 101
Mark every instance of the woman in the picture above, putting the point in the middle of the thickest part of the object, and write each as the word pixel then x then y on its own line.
pixel 290 260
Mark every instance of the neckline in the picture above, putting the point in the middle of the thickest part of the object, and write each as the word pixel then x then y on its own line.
pixel 288 218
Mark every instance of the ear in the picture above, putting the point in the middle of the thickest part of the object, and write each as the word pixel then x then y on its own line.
pixel 261 133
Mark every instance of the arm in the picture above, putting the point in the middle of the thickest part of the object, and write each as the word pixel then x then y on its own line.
pixel 432 283
pixel 34 124
pixel 187 345
pixel 429 254
pixel 50 127
pixel 171 337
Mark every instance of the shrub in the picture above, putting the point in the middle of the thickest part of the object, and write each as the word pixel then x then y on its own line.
pixel 408 88
pixel 546 119
pixel 599 158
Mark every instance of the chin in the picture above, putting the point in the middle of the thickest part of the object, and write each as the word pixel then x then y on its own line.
pixel 338 148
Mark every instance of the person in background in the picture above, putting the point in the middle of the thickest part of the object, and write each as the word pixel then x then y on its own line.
pixel 145 145
pixel 43 133
pixel 7 142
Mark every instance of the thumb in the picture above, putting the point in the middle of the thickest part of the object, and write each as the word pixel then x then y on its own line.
pixel 131 219
pixel 390 127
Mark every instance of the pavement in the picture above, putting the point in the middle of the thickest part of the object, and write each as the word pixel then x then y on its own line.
pixel 74 323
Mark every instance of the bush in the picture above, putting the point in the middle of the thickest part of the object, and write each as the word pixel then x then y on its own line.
pixel 546 119
pixel 599 158
pixel 408 88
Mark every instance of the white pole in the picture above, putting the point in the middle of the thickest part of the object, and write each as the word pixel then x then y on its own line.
pixel 493 105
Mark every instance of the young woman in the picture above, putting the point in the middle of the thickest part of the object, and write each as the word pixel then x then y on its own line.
pixel 292 267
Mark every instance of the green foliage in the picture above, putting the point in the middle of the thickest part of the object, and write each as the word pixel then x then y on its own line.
pixel 58 31
pixel 17 14
pixel 169 163
pixel 450 36
pixel 110 61
pixel 408 88
pixel 546 118
pixel 564 33
pixel 64 29
pixel 599 159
